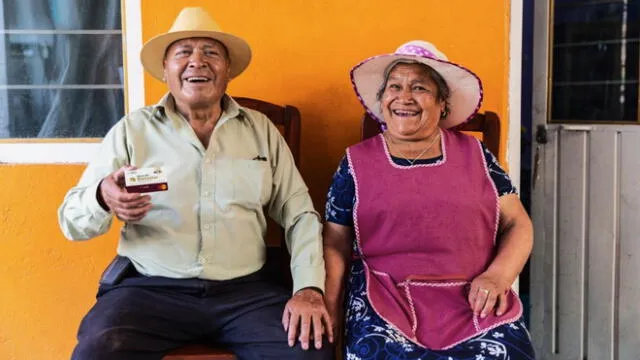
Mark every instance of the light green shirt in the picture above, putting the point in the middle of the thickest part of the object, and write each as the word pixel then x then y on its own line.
pixel 210 224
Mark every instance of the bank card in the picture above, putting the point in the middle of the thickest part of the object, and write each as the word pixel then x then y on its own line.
pixel 144 180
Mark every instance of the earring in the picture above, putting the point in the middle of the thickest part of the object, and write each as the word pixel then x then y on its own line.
pixel 163 79
pixel 444 113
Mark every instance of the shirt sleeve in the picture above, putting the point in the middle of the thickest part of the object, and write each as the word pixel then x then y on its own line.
pixel 498 175
pixel 80 216
pixel 291 206
pixel 341 196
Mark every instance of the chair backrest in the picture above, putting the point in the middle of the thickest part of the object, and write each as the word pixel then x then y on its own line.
pixel 287 119
pixel 486 123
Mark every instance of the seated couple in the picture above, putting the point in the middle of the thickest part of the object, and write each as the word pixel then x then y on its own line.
pixel 421 221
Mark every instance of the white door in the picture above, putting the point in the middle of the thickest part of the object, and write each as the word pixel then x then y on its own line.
pixel 585 267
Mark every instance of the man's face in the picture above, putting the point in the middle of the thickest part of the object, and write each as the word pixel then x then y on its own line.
pixel 196 71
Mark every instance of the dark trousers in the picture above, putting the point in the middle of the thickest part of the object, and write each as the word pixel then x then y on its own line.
pixel 146 317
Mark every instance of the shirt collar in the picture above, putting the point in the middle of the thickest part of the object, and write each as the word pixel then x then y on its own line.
pixel 230 108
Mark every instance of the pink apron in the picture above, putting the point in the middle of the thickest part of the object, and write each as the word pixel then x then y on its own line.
pixel 424 232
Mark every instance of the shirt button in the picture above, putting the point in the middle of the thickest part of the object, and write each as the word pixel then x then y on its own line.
pixel 206 194
pixel 202 259
pixel 207 161
pixel 207 226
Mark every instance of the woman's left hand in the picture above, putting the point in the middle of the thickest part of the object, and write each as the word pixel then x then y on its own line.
pixel 487 292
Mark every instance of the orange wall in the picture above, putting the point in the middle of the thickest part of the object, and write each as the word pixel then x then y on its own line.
pixel 303 51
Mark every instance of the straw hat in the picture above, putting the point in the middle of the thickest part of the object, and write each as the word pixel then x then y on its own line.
pixel 465 86
pixel 194 22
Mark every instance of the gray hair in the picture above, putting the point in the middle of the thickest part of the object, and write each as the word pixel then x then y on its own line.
pixel 443 92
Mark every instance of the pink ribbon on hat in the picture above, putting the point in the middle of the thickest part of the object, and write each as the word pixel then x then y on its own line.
pixel 411 49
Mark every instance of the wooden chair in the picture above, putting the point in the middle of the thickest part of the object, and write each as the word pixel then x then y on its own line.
pixel 287 119
pixel 487 124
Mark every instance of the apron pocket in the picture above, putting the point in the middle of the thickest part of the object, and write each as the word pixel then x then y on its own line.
pixel 441 313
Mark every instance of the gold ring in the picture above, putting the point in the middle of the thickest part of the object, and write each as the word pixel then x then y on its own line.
pixel 485 291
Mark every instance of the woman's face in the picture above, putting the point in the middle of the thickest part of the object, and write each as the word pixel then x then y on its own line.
pixel 410 104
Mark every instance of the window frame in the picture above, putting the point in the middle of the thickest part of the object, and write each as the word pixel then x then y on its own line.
pixel 81 150
pixel 550 85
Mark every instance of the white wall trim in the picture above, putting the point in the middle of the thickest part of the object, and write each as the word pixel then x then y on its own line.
pixel 515 96
pixel 133 41
pixel 47 153
pixel 73 152
pixel 59 32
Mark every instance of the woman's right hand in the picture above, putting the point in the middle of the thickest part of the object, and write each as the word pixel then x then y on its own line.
pixel 337 252
pixel 334 313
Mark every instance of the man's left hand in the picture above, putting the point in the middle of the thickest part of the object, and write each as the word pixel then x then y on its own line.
pixel 306 310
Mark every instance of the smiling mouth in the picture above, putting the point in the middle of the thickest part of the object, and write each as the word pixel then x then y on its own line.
pixel 404 113
pixel 197 79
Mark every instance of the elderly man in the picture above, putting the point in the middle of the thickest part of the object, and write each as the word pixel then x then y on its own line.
pixel 190 258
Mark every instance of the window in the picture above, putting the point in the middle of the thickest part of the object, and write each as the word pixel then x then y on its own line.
pixel 61 68
pixel 595 61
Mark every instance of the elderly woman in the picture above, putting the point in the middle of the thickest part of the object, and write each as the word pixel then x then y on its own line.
pixel 426 223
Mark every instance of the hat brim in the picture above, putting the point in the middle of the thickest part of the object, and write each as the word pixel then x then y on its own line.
pixel 153 51
pixel 465 86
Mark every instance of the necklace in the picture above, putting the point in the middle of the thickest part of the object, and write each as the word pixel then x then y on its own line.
pixel 407 158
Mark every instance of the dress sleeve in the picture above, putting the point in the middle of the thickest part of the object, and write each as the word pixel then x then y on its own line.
pixel 498 175
pixel 341 196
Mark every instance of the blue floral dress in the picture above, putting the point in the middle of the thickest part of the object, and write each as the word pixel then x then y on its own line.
pixel 369 337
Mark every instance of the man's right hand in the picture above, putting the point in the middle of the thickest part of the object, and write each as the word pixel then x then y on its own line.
pixel 126 206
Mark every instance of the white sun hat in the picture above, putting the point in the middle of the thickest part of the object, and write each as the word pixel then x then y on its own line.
pixel 465 86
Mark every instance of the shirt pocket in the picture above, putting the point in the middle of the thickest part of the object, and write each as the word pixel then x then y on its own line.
pixel 245 183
